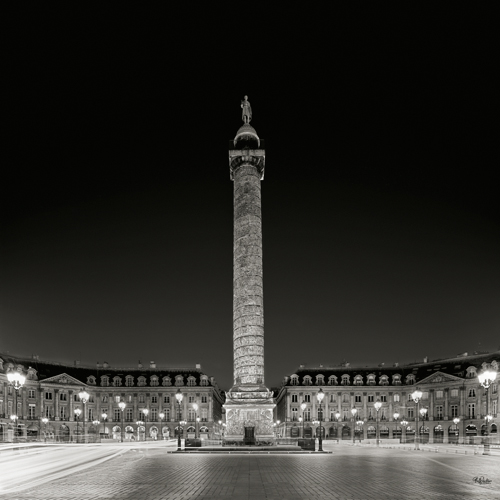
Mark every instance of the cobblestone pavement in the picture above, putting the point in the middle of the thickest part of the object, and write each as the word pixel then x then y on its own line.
pixel 349 473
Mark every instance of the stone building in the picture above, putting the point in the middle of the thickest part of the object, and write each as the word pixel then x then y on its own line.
pixel 51 390
pixel 450 389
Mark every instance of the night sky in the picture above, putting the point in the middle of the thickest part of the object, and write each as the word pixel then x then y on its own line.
pixel 380 200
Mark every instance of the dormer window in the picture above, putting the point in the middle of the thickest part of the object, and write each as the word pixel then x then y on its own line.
pixel 91 380
pixel 370 379
pixel 179 380
pixel 191 382
pixel 320 380
pixel 332 380
pixel 141 381
pixel 104 381
pixel 166 381
pixel 294 380
pixel 154 381
pixel 396 379
pixel 410 379
pixel 307 380
pixel 117 381
pixel 384 380
pixel 345 380
pixel 129 381
pixel 204 380
pixel 32 374
pixel 471 372
pixel 358 380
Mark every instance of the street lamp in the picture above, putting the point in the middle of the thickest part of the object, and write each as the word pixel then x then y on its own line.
pixel 162 416
pixel 104 419
pixel 84 397
pixel 417 396
pixel 423 412
pixel 303 406
pixel 145 413
pixel 278 422
pixel 337 416
pixel 360 424
pixel 96 425
pixel 45 421
pixel 320 397
pixel 195 408
pixel 220 429
pixel 178 396
pixel 404 423
pixel 139 423
pixel 77 412
pixel 396 417
pixel 486 378
pixel 456 420
pixel 16 379
pixel 122 405
pixel 377 405
pixel 353 412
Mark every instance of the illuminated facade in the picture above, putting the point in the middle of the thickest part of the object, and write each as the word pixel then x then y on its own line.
pixel 52 390
pixel 450 390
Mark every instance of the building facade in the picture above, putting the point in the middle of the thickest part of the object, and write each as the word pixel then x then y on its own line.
pixel 450 390
pixel 51 391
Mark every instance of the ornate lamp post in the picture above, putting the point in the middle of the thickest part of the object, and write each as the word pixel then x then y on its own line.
pixel 96 425
pixel 178 396
pixel 456 420
pixel 417 396
pixel 45 421
pixel 486 378
pixel 16 379
pixel 377 405
pixel 303 407
pixel 404 423
pixel 220 429
pixel 320 397
pixel 145 413
pixel 423 412
pixel 396 417
pixel 360 424
pixel 84 397
pixel 139 423
pixel 353 413
pixel 104 417
pixel 195 408
pixel 122 406
pixel 77 412
pixel 162 416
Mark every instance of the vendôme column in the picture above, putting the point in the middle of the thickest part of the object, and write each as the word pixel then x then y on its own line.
pixel 249 403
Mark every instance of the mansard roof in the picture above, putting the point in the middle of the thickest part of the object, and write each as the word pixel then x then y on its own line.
pixel 455 367
pixel 49 370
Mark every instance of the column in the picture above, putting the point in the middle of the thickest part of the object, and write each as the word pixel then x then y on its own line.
pixel 446 403
pixel 71 412
pixel 56 404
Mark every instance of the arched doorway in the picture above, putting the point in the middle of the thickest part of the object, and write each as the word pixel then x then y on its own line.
pixel 179 431
pixel 141 433
pixel 129 433
pixel 410 434
pixel 64 433
pixel 470 433
pixel 166 432
pixel 453 434
pixel 438 434
pixel 493 429
pixel 371 432
pixel 384 432
pixel 92 434
pixel 346 432
pixel 322 432
pixel 32 433
pixel 332 432
pixel 117 432
pixel 153 432
pixel 2 434
pixel 203 432
pixel 424 434
pixel 397 433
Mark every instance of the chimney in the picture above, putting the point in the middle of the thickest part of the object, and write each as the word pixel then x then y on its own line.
pixel 198 366
pixel 426 359
pixel 396 364
pixel 77 362
pixel 105 364
pixel 139 364
pixel 98 364
pixel 152 364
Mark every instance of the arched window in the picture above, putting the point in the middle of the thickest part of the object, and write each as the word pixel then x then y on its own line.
pixel 166 381
pixel 306 380
pixel 191 381
pixel 117 381
pixel 179 380
pixel 129 381
pixel 91 380
pixel 471 372
pixel 104 381
pixel 141 381
pixel 154 380
pixel 294 380
pixel 396 379
pixel 370 379
pixel 320 380
pixel 345 380
pixel 410 379
pixel 332 380
pixel 204 380
pixel 358 380
pixel 384 380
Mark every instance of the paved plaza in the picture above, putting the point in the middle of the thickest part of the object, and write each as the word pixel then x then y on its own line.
pixel 350 472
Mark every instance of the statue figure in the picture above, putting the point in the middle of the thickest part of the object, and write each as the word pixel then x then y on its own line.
pixel 246 114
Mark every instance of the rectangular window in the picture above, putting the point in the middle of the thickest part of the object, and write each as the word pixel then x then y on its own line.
pixel 204 399
pixel 204 415
pixel 439 412
pixel 141 398
pixel 154 399
pixel 494 406
pixel 439 394
pixel 345 398
pixel 307 415
pixel 62 412
pixel 383 398
pixel 472 393
pixel 90 414
pixel 472 410
pixel 410 398
pixel 454 393
pixel 31 393
pixel 494 388
pixel 166 399
pixel 370 398
pixel 48 396
pixel 129 416
pixel 332 416
pixel 117 399
pixel 63 396
pixel 91 399
pixel 454 411
pixel 104 398
pixel 129 398
pixel 332 398
pixel 295 413
pixel 31 412
pixel 358 398
pixel 307 398
pixel 425 395
pixel 191 399
pixel 154 414
pixel 49 411
pixel 117 415
pixel 410 413
pixel 166 411
pixel 76 397
pixel 191 415
pixel 294 398
pixel 396 398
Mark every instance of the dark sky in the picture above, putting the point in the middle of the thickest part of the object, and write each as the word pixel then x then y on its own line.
pixel 380 199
